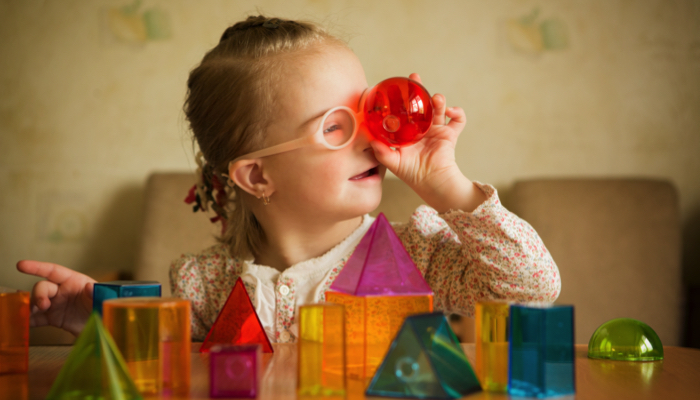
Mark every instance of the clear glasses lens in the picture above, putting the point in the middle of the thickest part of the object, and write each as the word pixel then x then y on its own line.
pixel 338 127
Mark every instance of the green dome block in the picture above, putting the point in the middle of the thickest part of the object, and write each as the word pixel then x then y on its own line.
pixel 625 339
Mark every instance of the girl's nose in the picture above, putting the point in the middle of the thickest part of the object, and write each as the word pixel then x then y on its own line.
pixel 363 136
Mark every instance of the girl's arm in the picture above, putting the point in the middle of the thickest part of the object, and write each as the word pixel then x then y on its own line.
pixel 63 300
pixel 475 248
pixel 486 254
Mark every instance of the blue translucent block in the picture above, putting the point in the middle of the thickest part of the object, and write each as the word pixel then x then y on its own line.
pixel 541 351
pixel 115 289
pixel 425 361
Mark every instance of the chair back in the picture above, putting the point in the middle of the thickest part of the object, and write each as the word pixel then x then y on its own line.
pixel 617 243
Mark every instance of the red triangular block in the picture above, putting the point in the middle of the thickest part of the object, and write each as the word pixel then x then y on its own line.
pixel 237 323
pixel 380 266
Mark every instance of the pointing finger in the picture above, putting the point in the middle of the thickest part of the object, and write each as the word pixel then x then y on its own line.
pixel 415 77
pixel 53 272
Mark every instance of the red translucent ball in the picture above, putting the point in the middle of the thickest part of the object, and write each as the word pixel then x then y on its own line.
pixel 398 111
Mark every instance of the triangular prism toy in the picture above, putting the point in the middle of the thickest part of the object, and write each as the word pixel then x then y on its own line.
pixel 94 369
pixel 381 266
pixel 425 360
pixel 237 323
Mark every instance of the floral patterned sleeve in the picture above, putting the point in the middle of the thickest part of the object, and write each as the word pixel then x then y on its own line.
pixel 489 253
pixel 206 280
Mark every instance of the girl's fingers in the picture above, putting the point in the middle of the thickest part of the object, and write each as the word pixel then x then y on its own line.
pixel 415 77
pixel 38 318
pixel 42 294
pixel 439 109
pixel 458 119
pixel 53 272
pixel 88 290
pixel 385 155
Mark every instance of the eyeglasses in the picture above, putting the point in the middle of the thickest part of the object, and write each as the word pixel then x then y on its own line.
pixel 397 111
pixel 337 129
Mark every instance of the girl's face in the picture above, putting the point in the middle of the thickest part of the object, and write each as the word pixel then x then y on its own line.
pixel 313 181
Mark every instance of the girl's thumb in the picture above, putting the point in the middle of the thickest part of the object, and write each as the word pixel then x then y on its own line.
pixel 384 154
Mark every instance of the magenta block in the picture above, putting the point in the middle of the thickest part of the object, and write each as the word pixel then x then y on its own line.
pixel 234 370
pixel 381 266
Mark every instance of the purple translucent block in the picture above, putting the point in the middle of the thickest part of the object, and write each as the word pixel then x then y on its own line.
pixel 380 266
pixel 234 370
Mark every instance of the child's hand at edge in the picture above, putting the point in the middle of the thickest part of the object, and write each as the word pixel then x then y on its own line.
pixel 429 166
pixel 63 300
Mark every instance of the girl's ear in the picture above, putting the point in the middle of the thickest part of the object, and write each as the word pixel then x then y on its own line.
pixel 250 176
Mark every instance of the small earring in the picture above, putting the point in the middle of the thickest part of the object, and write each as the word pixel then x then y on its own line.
pixel 265 199
pixel 229 182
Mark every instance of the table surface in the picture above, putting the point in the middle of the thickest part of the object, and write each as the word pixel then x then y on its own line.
pixel 676 377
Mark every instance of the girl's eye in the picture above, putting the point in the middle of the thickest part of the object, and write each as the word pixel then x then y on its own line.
pixel 332 128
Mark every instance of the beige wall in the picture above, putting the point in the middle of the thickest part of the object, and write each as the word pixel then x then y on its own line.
pixel 91 96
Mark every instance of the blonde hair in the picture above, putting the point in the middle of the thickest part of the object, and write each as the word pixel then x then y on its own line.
pixel 229 104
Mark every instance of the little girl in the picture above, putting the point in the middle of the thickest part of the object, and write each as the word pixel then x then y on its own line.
pixel 294 217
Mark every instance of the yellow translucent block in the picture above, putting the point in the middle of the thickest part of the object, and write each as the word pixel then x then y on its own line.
pixel 14 332
pixel 371 322
pixel 492 345
pixel 153 335
pixel 321 367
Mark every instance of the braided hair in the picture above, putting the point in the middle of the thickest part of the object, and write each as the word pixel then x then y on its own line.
pixel 229 105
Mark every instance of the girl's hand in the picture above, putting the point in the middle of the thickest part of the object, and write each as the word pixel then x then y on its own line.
pixel 63 300
pixel 429 166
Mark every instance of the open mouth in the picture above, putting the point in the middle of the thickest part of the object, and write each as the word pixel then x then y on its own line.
pixel 368 173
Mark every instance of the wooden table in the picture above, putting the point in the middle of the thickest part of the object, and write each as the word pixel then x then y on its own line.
pixel 676 377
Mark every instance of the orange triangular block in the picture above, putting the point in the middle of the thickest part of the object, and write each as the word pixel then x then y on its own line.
pixel 237 323
pixel 94 369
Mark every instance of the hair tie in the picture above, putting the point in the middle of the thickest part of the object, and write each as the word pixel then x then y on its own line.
pixel 209 191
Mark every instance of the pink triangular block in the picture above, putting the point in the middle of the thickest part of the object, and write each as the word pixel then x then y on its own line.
pixel 380 266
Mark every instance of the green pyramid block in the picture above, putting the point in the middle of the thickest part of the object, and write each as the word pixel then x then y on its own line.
pixel 425 361
pixel 94 369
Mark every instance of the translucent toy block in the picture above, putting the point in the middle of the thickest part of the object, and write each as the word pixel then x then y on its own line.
pixel 492 345
pixel 94 369
pixel 380 266
pixel 115 289
pixel 379 286
pixel 321 368
pixel 425 361
pixel 14 331
pixel 541 351
pixel 234 371
pixel 625 339
pixel 371 325
pixel 237 323
pixel 153 335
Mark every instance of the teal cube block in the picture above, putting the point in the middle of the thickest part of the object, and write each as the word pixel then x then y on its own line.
pixel 115 289
pixel 541 353
pixel 425 361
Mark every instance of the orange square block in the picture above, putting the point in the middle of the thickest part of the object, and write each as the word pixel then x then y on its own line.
pixel 153 335
pixel 372 322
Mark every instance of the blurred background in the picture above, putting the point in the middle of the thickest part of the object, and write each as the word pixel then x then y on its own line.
pixel 91 98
